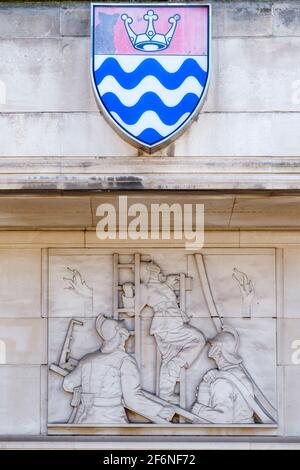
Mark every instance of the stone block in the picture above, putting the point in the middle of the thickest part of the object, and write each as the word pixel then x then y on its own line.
pixel 224 134
pixel 269 238
pixel 254 74
pixel 75 21
pixel 23 341
pixel 45 212
pixel 291 401
pixel 286 18
pixel 291 276
pixel 261 211
pixel 96 137
pixel 20 287
pixel 30 134
pixel 54 75
pixel 42 238
pixel 19 400
pixel 241 134
pixel 242 18
pixel 29 21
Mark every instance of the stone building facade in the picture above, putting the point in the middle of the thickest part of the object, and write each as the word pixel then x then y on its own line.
pixel 59 160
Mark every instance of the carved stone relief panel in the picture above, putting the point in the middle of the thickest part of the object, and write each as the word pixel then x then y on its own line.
pixel 161 338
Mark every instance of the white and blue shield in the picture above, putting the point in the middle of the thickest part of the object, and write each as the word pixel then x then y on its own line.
pixel 150 68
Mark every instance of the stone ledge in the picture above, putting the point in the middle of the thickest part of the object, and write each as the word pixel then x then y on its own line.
pixel 150 443
pixel 156 430
pixel 164 173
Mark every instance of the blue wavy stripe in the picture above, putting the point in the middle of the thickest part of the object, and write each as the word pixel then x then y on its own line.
pixel 150 102
pixel 150 136
pixel 171 81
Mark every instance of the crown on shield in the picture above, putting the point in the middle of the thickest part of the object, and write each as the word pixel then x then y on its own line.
pixel 150 41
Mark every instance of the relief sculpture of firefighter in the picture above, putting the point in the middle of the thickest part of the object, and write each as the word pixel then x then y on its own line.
pixel 104 386
pixel 225 394
pixel 108 379
pixel 178 342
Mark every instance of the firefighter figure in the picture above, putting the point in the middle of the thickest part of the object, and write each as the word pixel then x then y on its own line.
pixel 108 379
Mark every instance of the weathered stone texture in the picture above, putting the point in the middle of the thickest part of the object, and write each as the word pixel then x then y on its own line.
pixel 20 287
pixel 19 400
pixel 254 75
pixel 242 19
pixel 49 75
pixel 291 401
pixel 221 134
pixel 286 18
pixel 23 341
pixel 75 21
pixel 29 21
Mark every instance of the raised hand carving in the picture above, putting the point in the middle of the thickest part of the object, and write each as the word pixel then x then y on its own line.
pixel 77 284
pixel 247 291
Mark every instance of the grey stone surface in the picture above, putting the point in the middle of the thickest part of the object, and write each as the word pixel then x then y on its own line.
pixel 29 21
pixel 241 134
pixel 291 401
pixel 222 134
pixel 254 74
pixel 242 18
pixel 20 289
pixel 75 21
pixel 20 400
pixel 48 212
pixel 286 18
pixel 49 75
pixel 261 211
pixel 291 274
pixel 23 341
pixel 259 267
pixel 95 271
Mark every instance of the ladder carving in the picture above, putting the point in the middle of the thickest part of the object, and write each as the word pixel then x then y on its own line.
pixel 124 312
pixel 120 312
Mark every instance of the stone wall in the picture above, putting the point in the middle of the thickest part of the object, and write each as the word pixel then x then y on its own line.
pixel 249 121
pixel 54 137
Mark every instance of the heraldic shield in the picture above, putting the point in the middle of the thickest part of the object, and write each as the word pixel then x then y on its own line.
pixel 150 68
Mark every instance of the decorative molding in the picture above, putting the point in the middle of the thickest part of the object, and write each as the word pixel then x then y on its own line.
pixel 140 172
